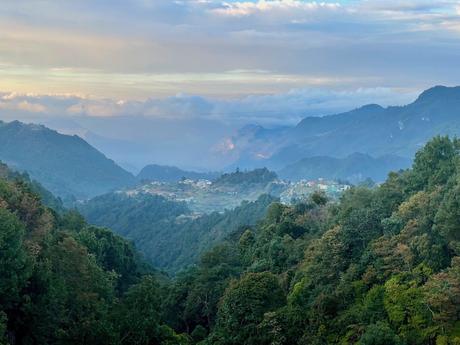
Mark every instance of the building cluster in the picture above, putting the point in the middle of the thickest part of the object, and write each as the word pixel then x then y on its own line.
pixel 301 190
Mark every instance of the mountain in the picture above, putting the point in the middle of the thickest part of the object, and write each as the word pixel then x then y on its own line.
pixel 66 165
pixel 354 168
pixel 164 173
pixel 371 129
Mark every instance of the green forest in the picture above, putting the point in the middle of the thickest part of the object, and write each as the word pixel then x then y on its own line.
pixel 165 231
pixel 381 266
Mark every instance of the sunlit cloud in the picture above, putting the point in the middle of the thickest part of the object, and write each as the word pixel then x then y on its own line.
pixel 138 49
pixel 268 110
pixel 248 8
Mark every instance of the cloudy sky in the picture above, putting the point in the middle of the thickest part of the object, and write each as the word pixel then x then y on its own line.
pixel 262 61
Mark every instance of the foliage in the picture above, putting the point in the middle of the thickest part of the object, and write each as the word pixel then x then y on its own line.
pixel 378 267
pixel 165 231
pixel 381 266
pixel 65 282
pixel 261 176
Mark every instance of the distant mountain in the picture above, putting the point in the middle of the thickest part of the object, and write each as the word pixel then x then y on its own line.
pixel 66 165
pixel 371 129
pixel 164 173
pixel 354 168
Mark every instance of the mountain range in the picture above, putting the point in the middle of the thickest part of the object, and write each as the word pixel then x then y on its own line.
pixel 365 142
pixel 371 129
pixel 354 168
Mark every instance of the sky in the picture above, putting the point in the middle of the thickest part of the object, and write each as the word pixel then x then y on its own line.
pixel 269 62
pixel 137 49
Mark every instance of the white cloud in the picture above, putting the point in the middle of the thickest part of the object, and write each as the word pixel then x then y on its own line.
pixel 135 48
pixel 275 109
pixel 261 6
pixel 26 106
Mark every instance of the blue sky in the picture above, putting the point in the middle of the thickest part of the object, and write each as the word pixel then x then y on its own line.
pixel 241 55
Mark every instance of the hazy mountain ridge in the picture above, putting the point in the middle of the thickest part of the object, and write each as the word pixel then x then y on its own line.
pixel 371 129
pixel 165 173
pixel 354 168
pixel 66 165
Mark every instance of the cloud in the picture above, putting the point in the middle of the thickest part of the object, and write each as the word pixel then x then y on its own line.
pixel 186 130
pixel 262 6
pixel 269 110
pixel 135 48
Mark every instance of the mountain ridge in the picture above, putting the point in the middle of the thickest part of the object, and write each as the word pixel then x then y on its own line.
pixel 370 129
pixel 354 168
pixel 66 165
pixel 166 173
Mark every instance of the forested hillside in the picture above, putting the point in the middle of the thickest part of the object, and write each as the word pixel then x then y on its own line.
pixel 380 267
pixel 166 231
pixel 66 282
pixel 244 179
pixel 66 165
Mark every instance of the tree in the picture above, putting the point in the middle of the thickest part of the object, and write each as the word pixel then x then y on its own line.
pixel 139 317
pixel 139 314
pixel 406 308
pixel 3 328
pixel 379 333
pixel 447 220
pixel 15 266
pixel 442 294
pixel 435 163
pixel 243 307
pixel 319 198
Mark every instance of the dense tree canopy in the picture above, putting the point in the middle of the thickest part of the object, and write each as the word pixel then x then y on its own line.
pixel 378 267
pixel 65 282
pixel 381 266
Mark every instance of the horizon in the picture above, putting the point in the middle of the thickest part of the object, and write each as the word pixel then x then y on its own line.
pixel 129 76
pixel 135 170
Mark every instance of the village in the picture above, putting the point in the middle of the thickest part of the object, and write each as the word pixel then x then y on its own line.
pixel 204 196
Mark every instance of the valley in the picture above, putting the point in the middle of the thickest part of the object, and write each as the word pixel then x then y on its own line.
pixel 230 172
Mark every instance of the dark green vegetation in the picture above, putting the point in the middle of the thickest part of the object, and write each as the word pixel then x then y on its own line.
pixel 166 231
pixel 66 165
pixel 46 197
pixel 243 178
pixel 354 168
pixel 372 130
pixel 163 173
pixel 382 266
pixel 65 282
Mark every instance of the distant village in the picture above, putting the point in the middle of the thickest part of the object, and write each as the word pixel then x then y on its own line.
pixel 204 196
pixel 301 190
